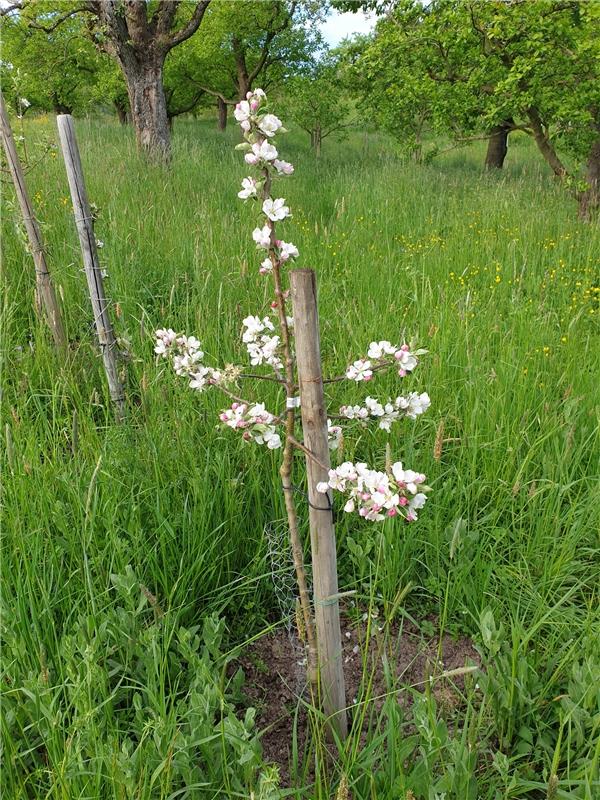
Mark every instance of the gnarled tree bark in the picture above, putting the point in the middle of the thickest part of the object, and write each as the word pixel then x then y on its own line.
pixel 139 36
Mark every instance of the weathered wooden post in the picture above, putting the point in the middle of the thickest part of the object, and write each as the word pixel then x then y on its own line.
pixel 322 533
pixel 91 264
pixel 44 287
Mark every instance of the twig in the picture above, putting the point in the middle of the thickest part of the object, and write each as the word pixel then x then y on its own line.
pixel 307 452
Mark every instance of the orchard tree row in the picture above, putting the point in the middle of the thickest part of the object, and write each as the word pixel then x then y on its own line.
pixel 457 69
pixel 470 69
pixel 152 61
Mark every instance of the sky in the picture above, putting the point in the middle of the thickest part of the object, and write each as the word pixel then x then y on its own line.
pixel 337 26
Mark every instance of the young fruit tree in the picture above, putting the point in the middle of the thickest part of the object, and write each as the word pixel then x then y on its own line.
pixel 284 351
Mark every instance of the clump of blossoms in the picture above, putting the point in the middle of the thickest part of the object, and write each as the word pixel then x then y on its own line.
pixel 255 422
pixel 377 495
pixel 412 406
pixel 268 338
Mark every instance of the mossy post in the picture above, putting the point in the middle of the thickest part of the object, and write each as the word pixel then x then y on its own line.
pixel 91 264
pixel 44 287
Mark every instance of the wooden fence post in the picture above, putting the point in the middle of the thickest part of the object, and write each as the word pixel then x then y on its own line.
pixel 322 533
pixel 91 264
pixel 44 287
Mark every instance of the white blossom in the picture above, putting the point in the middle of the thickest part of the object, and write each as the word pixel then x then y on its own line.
pixel 261 152
pixel 266 266
pixel 269 124
pixel 249 189
pixel 283 167
pixel 381 349
pixel 334 435
pixel 375 494
pixel 287 250
pixel 262 237
pixel 360 371
pixel 275 209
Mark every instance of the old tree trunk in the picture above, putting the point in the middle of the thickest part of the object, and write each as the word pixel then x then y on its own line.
pixel 149 107
pixel 221 114
pixel 589 200
pixel 139 36
pixel 497 146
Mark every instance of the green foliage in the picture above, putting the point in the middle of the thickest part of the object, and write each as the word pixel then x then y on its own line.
pixel 242 44
pixel 462 68
pixel 55 71
pixel 318 102
pixel 142 703
pixel 495 277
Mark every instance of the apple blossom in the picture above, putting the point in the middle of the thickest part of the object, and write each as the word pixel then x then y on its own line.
pixel 380 349
pixel 334 435
pixel 411 407
pixel 269 124
pixel 287 250
pixel 375 494
pixel 261 151
pixel 283 167
pixel 275 210
pixel 164 340
pixel 242 111
pixel 360 371
pixel 262 237
pixel 249 188
pixel 186 356
pixel 255 421
pixel 406 360
pixel 262 347
pixel 266 267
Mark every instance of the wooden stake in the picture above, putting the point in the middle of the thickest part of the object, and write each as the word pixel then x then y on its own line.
pixel 91 264
pixel 44 287
pixel 322 533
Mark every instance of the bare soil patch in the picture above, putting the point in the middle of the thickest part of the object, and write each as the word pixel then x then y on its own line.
pixel 276 676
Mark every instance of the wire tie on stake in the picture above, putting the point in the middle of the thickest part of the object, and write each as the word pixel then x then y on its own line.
pixel 316 508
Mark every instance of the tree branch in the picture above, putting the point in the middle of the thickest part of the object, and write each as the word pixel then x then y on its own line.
pixel 49 28
pixel 191 27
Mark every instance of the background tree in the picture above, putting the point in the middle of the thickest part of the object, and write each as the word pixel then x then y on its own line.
pixel 55 71
pixel 139 36
pixel 318 103
pixel 471 69
pixel 244 42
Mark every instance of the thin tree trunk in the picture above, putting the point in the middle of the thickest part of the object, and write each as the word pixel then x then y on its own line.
pixel 318 140
pixel 222 114
pixel 44 286
pixel 121 113
pixel 497 146
pixel 149 108
pixel 545 145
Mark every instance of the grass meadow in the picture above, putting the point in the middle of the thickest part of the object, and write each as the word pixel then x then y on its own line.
pixel 135 558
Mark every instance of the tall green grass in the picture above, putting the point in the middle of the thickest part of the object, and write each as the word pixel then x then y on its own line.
pixel 492 273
